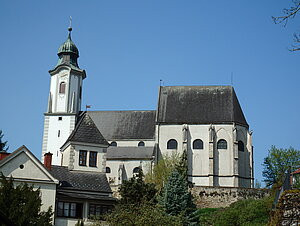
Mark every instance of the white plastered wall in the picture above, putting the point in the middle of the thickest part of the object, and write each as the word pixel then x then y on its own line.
pixel 56 132
pixel 71 158
pixel 198 160
pixel 114 177
pixel 32 175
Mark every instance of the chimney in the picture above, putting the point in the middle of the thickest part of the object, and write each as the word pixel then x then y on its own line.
pixel 48 160
pixel 3 155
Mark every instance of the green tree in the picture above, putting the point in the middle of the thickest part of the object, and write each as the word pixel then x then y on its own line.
pixel 290 13
pixel 135 190
pixel 277 163
pixel 22 204
pixel 162 170
pixel 182 166
pixel 175 199
pixel 3 144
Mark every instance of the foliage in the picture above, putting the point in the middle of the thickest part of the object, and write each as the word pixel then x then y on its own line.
pixel 297 181
pixel 140 215
pixel 22 204
pixel 277 163
pixel 289 13
pixel 182 166
pixel 242 213
pixel 136 190
pixel 205 215
pixel 162 170
pixel 175 199
pixel 257 184
pixel 3 144
pixel 79 223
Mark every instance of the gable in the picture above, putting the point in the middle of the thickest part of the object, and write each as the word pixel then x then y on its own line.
pixel 22 165
pixel 86 132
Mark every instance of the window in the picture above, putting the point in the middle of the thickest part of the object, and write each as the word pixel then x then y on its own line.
pixel 69 209
pixel 59 118
pixel 97 210
pixel 241 146
pixel 141 144
pixel 222 144
pixel 58 133
pixel 93 159
pixel 107 170
pixel 172 144
pixel 62 88
pixel 198 144
pixel 82 158
pixel 136 170
pixel 114 144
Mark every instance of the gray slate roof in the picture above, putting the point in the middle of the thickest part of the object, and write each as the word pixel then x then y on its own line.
pixel 78 180
pixel 86 131
pixel 199 105
pixel 130 152
pixel 118 125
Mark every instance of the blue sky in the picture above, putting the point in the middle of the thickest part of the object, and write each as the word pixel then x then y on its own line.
pixel 126 47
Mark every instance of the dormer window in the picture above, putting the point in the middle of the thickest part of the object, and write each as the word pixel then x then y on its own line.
pixel 62 88
pixel 82 158
pixel 93 159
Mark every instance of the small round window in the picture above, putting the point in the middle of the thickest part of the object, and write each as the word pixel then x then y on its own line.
pixel 141 144
pixel 114 144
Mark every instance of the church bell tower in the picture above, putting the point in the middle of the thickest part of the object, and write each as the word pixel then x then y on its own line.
pixel 64 102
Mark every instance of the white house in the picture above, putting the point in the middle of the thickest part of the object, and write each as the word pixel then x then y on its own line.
pixel 72 194
pixel 24 167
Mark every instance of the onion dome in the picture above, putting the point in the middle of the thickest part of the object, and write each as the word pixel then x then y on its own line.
pixel 68 52
pixel 68 46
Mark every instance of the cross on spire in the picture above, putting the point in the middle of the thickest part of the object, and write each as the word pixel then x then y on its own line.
pixel 70 27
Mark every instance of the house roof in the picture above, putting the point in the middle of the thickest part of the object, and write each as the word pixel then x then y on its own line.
pixel 37 163
pixel 118 125
pixel 199 105
pixel 87 132
pixel 79 180
pixel 296 171
pixel 130 152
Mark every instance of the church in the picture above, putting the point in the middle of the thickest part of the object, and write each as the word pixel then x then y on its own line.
pixel 206 122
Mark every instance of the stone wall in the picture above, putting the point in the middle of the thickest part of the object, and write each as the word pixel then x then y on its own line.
pixel 287 211
pixel 216 197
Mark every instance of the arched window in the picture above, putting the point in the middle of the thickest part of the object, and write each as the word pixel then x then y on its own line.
pixel 62 88
pixel 141 144
pixel 198 144
pixel 241 146
pixel 114 144
pixel 222 144
pixel 172 144
pixel 136 170
pixel 107 170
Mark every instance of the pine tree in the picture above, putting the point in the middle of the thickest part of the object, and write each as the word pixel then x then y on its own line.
pixel 176 199
pixel 3 147
pixel 182 166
